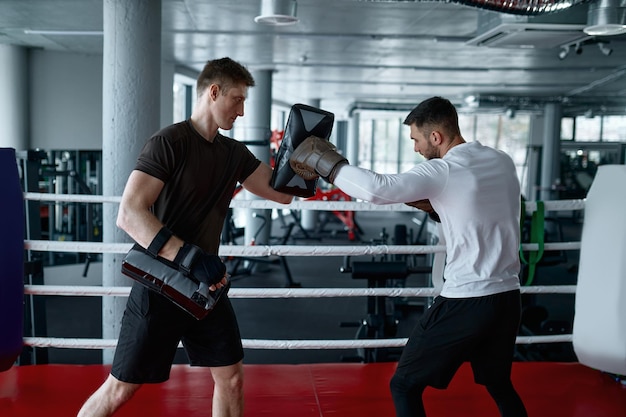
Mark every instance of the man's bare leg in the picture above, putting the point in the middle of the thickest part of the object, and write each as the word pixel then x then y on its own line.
pixel 228 390
pixel 111 395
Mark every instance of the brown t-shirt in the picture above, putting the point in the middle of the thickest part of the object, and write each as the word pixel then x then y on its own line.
pixel 200 178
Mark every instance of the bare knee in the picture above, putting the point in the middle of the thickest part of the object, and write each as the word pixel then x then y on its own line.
pixel 228 390
pixel 229 378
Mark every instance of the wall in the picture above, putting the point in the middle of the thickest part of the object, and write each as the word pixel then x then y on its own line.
pixel 66 100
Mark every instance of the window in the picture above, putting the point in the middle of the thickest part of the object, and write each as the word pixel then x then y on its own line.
pixel 588 129
pixel 385 145
pixel 614 128
pixel 594 128
pixel 184 97
pixel 567 128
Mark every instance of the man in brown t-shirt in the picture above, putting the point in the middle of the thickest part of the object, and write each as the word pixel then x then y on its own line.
pixel 184 181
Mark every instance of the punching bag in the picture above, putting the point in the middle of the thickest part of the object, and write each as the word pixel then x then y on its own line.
pixel 599 334
pixel 11 260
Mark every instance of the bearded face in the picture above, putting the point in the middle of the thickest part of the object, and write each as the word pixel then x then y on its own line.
pixel 423 143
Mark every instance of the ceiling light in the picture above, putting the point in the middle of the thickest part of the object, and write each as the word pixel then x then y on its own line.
pixel 277 13
pixel 606 18
pixel 471 101
pixel 510 112
pixel 605 30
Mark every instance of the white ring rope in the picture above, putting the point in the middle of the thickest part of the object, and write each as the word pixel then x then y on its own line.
pixel 74 343
pixel 94 291
pixel 244 250
pixel 281 250
pixel 321 205
pixel 85 343
pixel 72 198
pixel 276 250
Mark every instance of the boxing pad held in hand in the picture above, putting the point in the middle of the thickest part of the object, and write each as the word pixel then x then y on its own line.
pixel 186 283
pixel 197 264
pixel 303 122
pixel 316 156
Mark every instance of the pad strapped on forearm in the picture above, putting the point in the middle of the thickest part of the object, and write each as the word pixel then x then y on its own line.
pixel 171 279
pixel 185 261
pixel 159 241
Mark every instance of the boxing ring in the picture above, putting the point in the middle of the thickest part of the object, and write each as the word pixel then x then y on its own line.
pixel 579 389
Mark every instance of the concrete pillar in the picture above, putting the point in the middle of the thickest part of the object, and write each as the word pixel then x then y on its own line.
pixel 257 133
pixel 533 158
pixel 308 219
pixel 167 93
pixel 14 97
pixel 131 111
pixel 551 153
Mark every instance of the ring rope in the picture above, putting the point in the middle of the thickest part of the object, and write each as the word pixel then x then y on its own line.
pixel 86 343
pixel 321 205
pixel 277 250
pixel 282 250
pixel 86 290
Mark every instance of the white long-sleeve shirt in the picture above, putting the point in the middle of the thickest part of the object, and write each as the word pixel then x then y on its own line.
pixel 475 191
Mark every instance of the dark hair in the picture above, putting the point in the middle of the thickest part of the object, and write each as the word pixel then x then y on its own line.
pixel 224 72
pixel 435 112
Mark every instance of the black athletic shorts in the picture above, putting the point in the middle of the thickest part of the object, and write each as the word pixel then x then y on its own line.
pixel 480 330
pixel 152 328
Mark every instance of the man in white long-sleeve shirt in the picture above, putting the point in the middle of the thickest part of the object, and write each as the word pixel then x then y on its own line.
pixel 475 192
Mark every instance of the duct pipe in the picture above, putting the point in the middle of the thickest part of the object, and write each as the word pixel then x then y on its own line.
pixel 606 18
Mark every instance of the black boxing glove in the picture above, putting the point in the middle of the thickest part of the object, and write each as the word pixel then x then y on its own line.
pixel 199 265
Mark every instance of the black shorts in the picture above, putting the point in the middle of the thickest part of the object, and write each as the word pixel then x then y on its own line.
pixel 152 328
pixel 479 330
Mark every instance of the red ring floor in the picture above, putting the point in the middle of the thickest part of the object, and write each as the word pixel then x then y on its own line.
pixel 344 389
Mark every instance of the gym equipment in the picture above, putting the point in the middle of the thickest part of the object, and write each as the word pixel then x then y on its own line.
pixel 381 320
pixel 244 265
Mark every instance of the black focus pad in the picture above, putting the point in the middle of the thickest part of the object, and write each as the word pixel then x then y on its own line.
pixel 166 278
pixel 303 122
